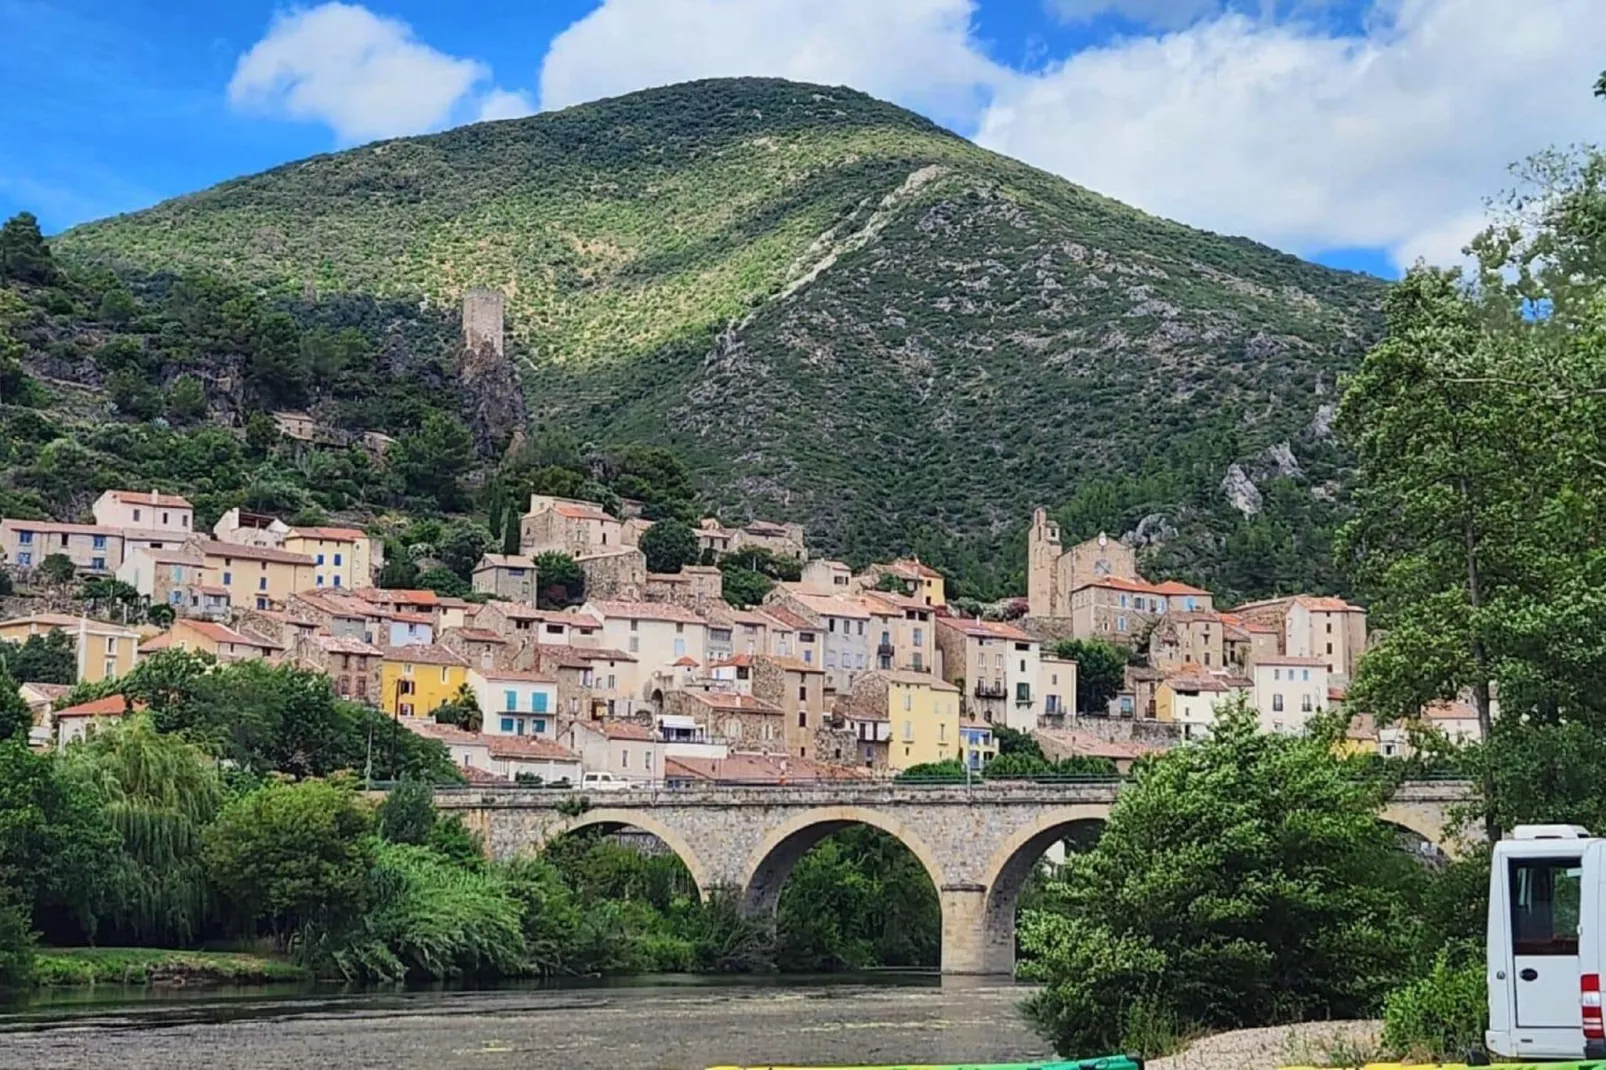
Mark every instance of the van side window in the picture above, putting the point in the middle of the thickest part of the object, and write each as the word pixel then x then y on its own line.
pixel 1545 898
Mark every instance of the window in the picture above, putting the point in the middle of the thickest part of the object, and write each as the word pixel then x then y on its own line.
pixel 802 718
pixel 319 579
pixel 24 557
pixel 262 583
pixel 803 692
pixel 25 538
pixel 1304 703
pixel 624 757
pixel 111 644
pixel 228 579
pixel 136 514
pixel 808 656
pixel 1277 703
pixel 635 644
pixel 908 731
pixel 337 559
pixel 1120 624
pixel 337 581
pixel 1545 905
pixel 1023 665
pixel 98 564
pixel 679 628
pixel 1123 601
pixel 1329 648
pixel 319 561
pixel 1188 603
pixel 507 726
pixel 1023 692
pixel 1207 657
pixel 99 542
pixel 830 624
pixel 998 660
pixel 262 603
pixel 1329 627
pixel 610 682
pixel 510 699
pixel 538 701
pixel 635 625
pixel 540 726
pixel 1276 674
pixel 830 659
pixel 942 731
pixel 443 674
pixel 680 646
pixel 1305 675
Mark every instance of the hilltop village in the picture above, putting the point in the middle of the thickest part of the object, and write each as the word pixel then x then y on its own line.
pixel 655 677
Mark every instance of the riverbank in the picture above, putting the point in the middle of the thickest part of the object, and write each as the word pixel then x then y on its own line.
pixel 86 967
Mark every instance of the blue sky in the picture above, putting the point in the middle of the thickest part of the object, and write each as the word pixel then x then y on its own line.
pixel 1355 132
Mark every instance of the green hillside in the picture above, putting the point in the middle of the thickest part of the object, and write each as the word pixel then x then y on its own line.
pixel 831 309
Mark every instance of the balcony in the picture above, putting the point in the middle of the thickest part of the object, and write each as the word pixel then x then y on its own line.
pixel 1023 697
pixel 883 650
pixel 990 690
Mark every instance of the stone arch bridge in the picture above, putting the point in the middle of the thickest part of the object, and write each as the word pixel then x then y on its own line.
pixel 978 844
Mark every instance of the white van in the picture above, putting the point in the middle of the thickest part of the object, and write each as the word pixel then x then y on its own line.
pixel 1538 893
pixel 604 782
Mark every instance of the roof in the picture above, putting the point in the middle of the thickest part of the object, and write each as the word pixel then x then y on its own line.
pixel 621 730
pixel 786 618
pixel 514 748
pixel 397 596
pixel 1282 660
pixel 646 611
pixel 252 553
pixel 892 603
pixel 336 605
pixel 1195 678
pixel 1059 744
pixel 525 676
pixel 47 691
pixel 148 497
pixel 581 511
pixel 830 605
pixel 171 557
pixel 58 528
pixel 1177 587
pixel 739 661
pixel 1361 727
pixel 791 664
pixel 685 661
pixel 424 654
pixel 411 618
pixel 912 566
pixel 1327 605
pixel 65 622
pixel 448 734
pixel 327 534
pixel 765 527
pixel 1450 711
pixel 222 633
pixel 734 703
pixel 985 629
pixel 215 591
pixel 504 561
pixel 475 635
pixel 345 644
pixel 915 679
pixel 584 653
pixel 756 767
pixel 110 706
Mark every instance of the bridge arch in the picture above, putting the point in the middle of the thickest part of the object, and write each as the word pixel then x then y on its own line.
pixel 1010 865
pixel 1426 823
pixel 606 819
pixel 765 873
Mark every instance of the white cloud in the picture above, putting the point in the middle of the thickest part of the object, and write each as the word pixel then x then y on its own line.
pixel 918 52
pixel 365 76
pixel 504 104
pixel 1310 141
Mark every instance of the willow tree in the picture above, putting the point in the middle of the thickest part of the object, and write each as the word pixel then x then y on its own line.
pixel 160 793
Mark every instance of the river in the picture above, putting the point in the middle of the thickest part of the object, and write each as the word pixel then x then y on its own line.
pixel 661 1024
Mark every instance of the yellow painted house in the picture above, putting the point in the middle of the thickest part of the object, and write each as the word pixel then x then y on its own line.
pixel 342 557
pixel 415 680
pixel 104 651
pixel 924 711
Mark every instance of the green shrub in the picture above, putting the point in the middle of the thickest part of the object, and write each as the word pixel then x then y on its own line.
pixel 1439 1017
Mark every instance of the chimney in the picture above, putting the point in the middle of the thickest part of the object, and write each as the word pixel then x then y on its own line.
pixel 156 496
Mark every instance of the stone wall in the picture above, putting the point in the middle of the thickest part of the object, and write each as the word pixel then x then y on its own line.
pixel 620 576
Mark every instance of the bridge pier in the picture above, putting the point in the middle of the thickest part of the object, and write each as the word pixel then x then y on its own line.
pixel 970 945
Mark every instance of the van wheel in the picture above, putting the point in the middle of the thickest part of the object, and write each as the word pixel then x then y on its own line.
pixel 1478 1057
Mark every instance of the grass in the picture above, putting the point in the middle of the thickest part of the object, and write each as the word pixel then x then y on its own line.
pixel 90 966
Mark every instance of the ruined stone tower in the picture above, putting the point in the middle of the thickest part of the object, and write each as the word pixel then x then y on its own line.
pixel 482 319
pixel 1042 562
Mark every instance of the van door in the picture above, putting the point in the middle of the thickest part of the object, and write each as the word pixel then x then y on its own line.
pixel 1545 904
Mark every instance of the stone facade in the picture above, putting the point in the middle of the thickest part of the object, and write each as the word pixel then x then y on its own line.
pixel 619 574
pixel 568 526
pixel 978 843
pixel 798 691
pixel 509 576
pixel 694 587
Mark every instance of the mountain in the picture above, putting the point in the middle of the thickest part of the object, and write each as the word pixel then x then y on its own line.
pixel 834 312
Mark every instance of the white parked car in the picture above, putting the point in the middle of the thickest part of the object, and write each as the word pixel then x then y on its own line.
pixel 604 782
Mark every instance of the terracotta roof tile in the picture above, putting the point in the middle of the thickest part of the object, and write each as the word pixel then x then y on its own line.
pixel 423 654
pixel 646 611
pixel 145 497
pixel 110 706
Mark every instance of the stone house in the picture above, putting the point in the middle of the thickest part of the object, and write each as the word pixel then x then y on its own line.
pixel 1314 627
pixel 742 721
pixel 422 602
pixel 625 749
pixel 351 665
pixel 1190 697
pixel 1288 692
pixel 688 772
pixel 250 529
pixel 144 511
pixel 922 712
pixel 567 526
pixel 483 648
pixel 510 576
pixel 167 577
pixel 902 632
pixel 257 576
pixel 520 621
pixel 605 682
pixel 998 666
pixel 738 631
pixel 792 635
pixel 1198 638
pixel 918 581
pixel 1053 572
pixel 338 614
pixel 798 690
pixel 827 577
pixel 695 587
pixel 103 651
pixel 619 574
pixel 1123 611
pixel 524 757
pixel 82 720
pixel 219 640
pixel 841 622
pixel 91 548
pixel 516 702
pixel 341 557
pixel 1056 686
pixel 278 626
pixel 657 634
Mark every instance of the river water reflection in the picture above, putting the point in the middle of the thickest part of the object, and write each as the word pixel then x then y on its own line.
pixel 644 1024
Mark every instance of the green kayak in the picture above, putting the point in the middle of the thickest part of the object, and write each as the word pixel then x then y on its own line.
pixel 1108 1062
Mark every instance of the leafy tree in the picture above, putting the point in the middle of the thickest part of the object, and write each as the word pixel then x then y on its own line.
pixel 1011 741
pixel 159 793
pixel 443 581
pixel 287 855
pixel 186 400
pixel 408 813
pixel 133 394
pixel 432 460
pixel 463 711
pixel 669 546
pixel 1239 881
pixel 15 716
pixel 743 587
pixel 512 533
pixel 117 307
pixel 24 256
pixel 398 572
pixel 261 434
pixel 16 943
pixel 461 545
pixel 562 581
pixel 1100 671
pixel 41 659
pixel 57 569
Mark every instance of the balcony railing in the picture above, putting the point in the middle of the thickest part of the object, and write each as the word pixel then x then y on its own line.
pixel 883 650
pixel 986 690
pixel 1023 698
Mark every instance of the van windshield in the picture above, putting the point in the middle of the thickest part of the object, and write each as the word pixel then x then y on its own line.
pixel 1545 898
